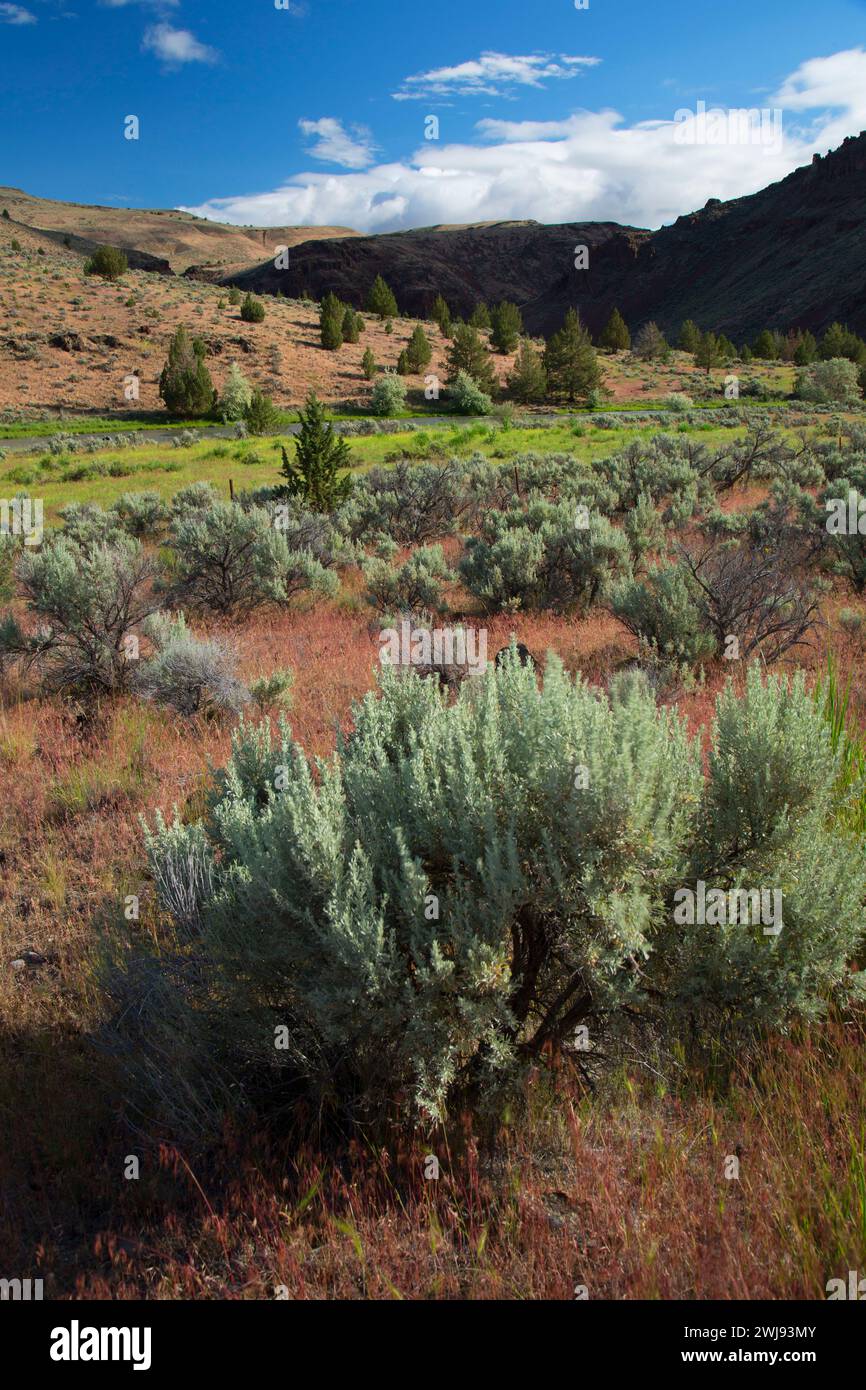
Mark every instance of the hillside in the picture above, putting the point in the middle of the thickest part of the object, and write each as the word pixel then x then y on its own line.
pixel 69 341
pixel 790 255
pixel 177 238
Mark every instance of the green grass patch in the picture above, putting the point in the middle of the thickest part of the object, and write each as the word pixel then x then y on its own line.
pixel 163 469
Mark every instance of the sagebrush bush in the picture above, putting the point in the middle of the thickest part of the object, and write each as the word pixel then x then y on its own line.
pixel 753 591
pixel 842 503
pixel 411 923
pixel 411 587
pixel 467 397
pixel 663 612
pixel 86 601
pixel 768 817
pixel 658 469
pixel 87 524
pixel 140 514
pixel 194 500
pixel 388 396
pixel 187 674
pixel 274 690
pixel 853 623
pixel 539 557
pixel 236 395
pixel 411 502
pixel 232 560
pixel 832 381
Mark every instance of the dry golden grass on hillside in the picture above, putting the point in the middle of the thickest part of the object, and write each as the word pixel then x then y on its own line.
pixel 105 332
pixel 109 331
pixel 178 237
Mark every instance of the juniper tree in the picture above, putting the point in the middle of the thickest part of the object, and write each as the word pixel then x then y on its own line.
pixel 650 343
pixel 368 364
pixel 381 299
pixel 351 331
pixel 467 353
pixel 441 315
pixel 767 346
pixel 839 341
pixel 707 352
pixel 480 316
pixel 185 384
pixel 527 382
pixel 261 415
pixel 507 326
pixel 331 316
pixel 615 335
pixel 571 362
pixel 690 336
pixel 418 351
pixel 806 350
pixel 109 262
pixel 252 310
pixel 320 456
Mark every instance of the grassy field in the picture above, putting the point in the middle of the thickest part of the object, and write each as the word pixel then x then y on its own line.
pixel 256 462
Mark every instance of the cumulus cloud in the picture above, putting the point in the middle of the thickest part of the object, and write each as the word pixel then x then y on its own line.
pixel 493 74
pixel 836 84
pixel 336 146
pixel 591 166
pixel 16 14
pixel 176 46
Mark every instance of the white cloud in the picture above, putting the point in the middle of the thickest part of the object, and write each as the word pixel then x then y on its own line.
pixel 336 146
pixel 16 14
pixel 493 74
pixel 837 83
pixel 176 46
pixel 588 167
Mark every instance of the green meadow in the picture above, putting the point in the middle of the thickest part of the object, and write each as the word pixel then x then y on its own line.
pixel 101 477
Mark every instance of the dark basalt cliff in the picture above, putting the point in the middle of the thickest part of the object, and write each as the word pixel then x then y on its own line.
pixel 792 255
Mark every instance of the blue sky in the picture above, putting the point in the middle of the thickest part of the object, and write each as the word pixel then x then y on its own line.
pixel 318 113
